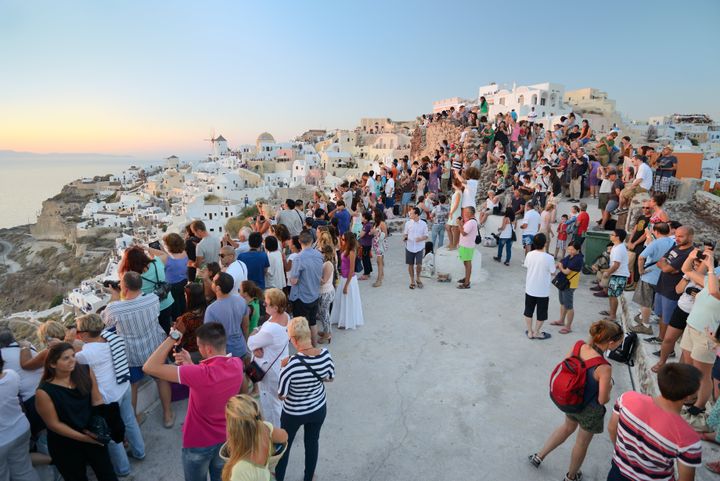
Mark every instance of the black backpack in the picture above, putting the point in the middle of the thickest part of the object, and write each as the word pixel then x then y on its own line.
pixel 625 353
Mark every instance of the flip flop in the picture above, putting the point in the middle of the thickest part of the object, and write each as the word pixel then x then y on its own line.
pixel 565 330
pixel 544 335
pixel 529 338
pixel 604 313
pixel 412 286
pixel 557 323
pixel 463 286
pixel 420 285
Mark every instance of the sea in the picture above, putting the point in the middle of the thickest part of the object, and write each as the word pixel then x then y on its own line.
pixel 27 179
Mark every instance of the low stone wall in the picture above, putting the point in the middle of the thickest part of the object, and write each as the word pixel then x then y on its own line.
pixel 645 380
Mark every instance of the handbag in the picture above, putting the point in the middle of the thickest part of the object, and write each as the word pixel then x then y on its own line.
pixel 162 288
pixel 99 428
pixel 255 372
pixel 478 237
pixel 514 235
pixel 561 281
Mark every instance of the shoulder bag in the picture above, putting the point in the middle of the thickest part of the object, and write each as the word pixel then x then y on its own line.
pixel 162 288
pixel 255 372
pixel 561 281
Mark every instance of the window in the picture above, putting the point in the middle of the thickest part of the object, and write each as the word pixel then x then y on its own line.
pixel 219 229
pixel 521 100
pixel 502 101
pixel 542 100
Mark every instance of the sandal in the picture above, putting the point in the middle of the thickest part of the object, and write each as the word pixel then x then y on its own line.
pixel 565 330
pixel 377 284
pixel 543 336
pixel 713 467
pixel 420 285
pixel 463 286
pixel 557 323
pixel 412 286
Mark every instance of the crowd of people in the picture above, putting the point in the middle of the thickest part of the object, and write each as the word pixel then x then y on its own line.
pixel 240 321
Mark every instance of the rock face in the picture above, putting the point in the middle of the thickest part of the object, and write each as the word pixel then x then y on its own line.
pixel 60 214
pixel 425 140
pixel 702 212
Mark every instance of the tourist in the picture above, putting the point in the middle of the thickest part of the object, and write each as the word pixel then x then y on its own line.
pixel 343 217
pixel 152 273
pixel 208 248
pixel 613 199
pixel 637 241
pixel 275 275
pixel 366 240
pixel 191 242
pixel 134 317
pixel 15 463
pixel 193 318
pixel 570 267
pixel 530 226
pixel 104 352
pixel 248 452
pixel 232 312
pixel 207 274
pixel 290 217
pixel 439 217
pixel 592 179
pixel 64 399
pixel 379 245
pixel 616 274
pixel 216 379
pixel 11 352
pixel 261 224
pixel 252 295
pixel 545 221
pixel 704 316
pixel 235 267
pixel 665 169
pixel 268 343
pixel 49 333
pixel 506 236
pixel 582 223
pixel 648 433
pixel 562 236
pixel 687 289
pixel 469 231
pixel 255 260
pixel 642 183
pixel 605 147
pixel 469 179
pixel 644 294
pixel 540 268
pixel 578 168
pixel 175 260
pixel 604 336
pixel 415 233
pixel 670 265
pixel 302 392
pixel 454 213
pixel 304 279
pixel 390 191
pixel 242 241
pixel 657 200
pixel 327 293
pixel 492 203
pixel 347 310
pixel 407 185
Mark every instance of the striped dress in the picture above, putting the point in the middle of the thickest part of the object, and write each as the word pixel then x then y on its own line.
pixel 650 439
pixel 303 391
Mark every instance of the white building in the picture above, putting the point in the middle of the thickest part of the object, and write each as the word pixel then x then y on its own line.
pixel 213 211
pixel 546 98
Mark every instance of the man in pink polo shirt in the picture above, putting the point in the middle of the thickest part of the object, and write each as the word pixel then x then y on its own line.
pixel 216 379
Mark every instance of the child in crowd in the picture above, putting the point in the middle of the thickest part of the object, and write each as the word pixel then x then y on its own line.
pixel 428 263
pixel 562 235
pixel 252 295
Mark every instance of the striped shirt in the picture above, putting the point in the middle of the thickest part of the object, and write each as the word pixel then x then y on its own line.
pixel 303 391
pixel 650 439
pixel 119 356
pixel 136 320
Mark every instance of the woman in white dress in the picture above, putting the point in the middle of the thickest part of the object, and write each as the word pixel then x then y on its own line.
pixel 347 308
pixel 269 344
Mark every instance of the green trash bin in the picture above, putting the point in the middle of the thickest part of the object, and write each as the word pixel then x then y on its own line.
pixel 595 243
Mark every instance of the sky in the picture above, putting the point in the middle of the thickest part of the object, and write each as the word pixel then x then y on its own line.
pixel 152 78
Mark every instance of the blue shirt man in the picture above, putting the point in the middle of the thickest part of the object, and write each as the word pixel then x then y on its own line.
pixel 305 277
pixel 343 217
pixel 256 261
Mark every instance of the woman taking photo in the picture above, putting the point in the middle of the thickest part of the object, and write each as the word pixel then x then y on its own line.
pixel 347 310
pixel 152 272
pixel 269 344
pixel 505 236
pixel 175 260
pixel 248 452
pixel 451 226
pixel 327 293
pixel 379 243
pixel 64 400
pixel 604 336
pixel 302 391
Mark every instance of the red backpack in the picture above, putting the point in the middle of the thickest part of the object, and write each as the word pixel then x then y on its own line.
pixel 567 381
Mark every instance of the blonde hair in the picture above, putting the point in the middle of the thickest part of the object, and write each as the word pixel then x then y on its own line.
pixel 299 328
pixel 325 239
pixel 277 299
pixel 51 329
pixel 244 426
pixel 92 323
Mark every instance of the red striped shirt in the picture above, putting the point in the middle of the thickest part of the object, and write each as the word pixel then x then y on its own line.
pixel 650 439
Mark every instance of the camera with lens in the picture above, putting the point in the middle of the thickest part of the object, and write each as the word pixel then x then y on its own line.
pixel 109 283
pixel 691 291
pixel 701 253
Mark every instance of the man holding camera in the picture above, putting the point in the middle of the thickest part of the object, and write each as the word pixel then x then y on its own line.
pixel 135 317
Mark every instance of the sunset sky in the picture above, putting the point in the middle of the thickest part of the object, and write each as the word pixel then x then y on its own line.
pixel 154 78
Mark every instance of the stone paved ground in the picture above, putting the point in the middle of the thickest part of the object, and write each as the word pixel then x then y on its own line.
pixel 439 384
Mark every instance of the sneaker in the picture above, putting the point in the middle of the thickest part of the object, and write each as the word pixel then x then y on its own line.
pixel 641 329
pixel 535 460
pixel 496 259
pixel 653 340
pixel 657 353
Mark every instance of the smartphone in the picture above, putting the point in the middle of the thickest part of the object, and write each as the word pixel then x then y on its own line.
pixel 155 245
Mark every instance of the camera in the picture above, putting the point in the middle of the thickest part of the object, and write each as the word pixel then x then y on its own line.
pixel 155 245
pixel 111 284
pixel 692 290
pixel 701 253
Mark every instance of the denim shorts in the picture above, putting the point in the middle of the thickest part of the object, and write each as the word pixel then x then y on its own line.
pixel 527 239
pixel 566 298
pixel 406 198
pixel 664 307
